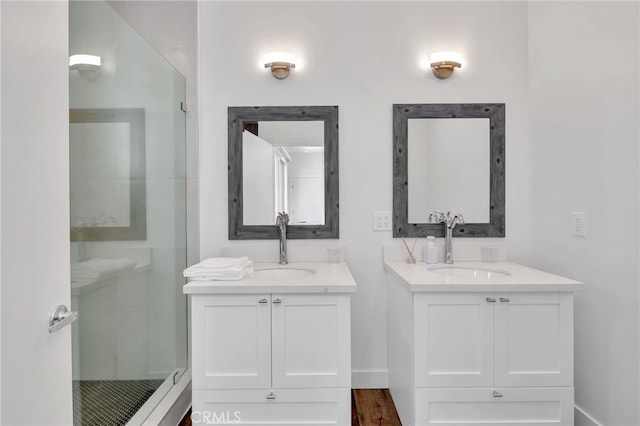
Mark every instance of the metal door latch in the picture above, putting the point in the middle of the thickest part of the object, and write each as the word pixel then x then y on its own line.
pixel 60 317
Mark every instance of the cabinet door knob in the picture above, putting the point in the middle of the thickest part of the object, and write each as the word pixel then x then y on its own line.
pixel 505 299
pixel 277 301
pixel 271 396
pixel 263 300
pixel 497 394
pixel 491 300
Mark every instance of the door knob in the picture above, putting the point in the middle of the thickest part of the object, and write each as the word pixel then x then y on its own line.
pixel 60 317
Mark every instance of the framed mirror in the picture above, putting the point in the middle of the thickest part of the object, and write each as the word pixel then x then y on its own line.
pixel 283 158
pixel 449 157
pixel 107 174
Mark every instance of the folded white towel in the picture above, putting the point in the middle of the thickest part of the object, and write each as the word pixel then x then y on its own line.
pixel 220 269
pixel 95 269
pixel 223 277
pixel 223 262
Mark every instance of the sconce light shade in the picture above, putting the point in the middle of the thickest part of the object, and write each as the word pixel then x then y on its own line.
pixel 280 64
pixel 85 62
pixel 444 63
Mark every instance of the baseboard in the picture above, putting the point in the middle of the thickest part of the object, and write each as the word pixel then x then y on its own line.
pixel 369 379
pixel 582 418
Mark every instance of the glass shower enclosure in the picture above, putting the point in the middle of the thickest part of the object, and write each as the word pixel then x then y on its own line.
pixel 127 219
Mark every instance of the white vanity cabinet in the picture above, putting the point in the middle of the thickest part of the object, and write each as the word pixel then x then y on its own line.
pixel 271 357
pixel 463 357
pixel 493 339
pixel 265 341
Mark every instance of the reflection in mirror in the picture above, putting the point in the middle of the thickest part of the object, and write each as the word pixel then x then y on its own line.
pixel 283 163
pixel 449 157
pixel 107 174
pixel 283 159
pixel 448 167
pixel 100 158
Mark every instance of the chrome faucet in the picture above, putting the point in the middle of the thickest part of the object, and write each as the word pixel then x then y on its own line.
pixel 282 220
pixel 449 224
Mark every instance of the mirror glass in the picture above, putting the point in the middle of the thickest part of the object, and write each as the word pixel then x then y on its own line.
pixel 449 158
pixel 283 159
pixel 283 163
pixel 107 174
pixel 448 167
pixel 99 178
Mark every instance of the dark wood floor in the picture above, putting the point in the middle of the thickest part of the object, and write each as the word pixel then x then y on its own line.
pixel 373 407
pixel 369 407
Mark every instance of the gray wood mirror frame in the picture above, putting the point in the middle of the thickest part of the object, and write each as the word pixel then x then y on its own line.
pixel 241 119
pixel 495 113
pixel 107 174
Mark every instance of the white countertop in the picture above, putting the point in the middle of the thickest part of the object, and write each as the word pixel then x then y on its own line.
pixel 329 278
pixel 417 278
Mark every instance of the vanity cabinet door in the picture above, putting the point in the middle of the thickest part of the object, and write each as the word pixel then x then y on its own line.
pixel 311 341
pixel 534 339
pixel 454 340
pixel 231 346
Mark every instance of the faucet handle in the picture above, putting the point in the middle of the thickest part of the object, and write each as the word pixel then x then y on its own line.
pixel 445 218
pixel 282 219
pixel 436 216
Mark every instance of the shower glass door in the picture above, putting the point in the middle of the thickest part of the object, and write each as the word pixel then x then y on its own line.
pixel 127 219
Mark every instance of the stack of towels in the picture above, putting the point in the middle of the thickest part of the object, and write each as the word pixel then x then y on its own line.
pixel 99 269
pixel 220 269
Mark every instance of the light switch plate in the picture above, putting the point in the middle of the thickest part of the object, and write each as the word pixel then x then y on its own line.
pixel 381 221
pixel 579 224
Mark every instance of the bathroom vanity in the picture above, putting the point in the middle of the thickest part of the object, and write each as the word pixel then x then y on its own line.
pixel 475 342
pixel 274 348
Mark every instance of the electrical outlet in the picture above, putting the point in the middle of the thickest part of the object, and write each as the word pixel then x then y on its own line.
pixel 382 221
pixel 579 224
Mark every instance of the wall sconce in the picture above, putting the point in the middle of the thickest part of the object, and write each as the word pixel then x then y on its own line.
pixel 85 62
pixel 280 64
pixel 444 63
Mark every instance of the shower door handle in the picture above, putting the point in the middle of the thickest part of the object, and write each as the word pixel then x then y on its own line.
pixel 60 317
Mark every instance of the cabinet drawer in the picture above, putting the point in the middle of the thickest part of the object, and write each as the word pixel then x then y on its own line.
pixel 284 407
pixel 515 406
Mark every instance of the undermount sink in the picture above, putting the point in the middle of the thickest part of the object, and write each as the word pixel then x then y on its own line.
pixel 469 272
pixel 282 273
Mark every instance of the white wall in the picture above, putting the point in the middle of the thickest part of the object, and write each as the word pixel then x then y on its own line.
pixel 363 57
pixel 584 138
